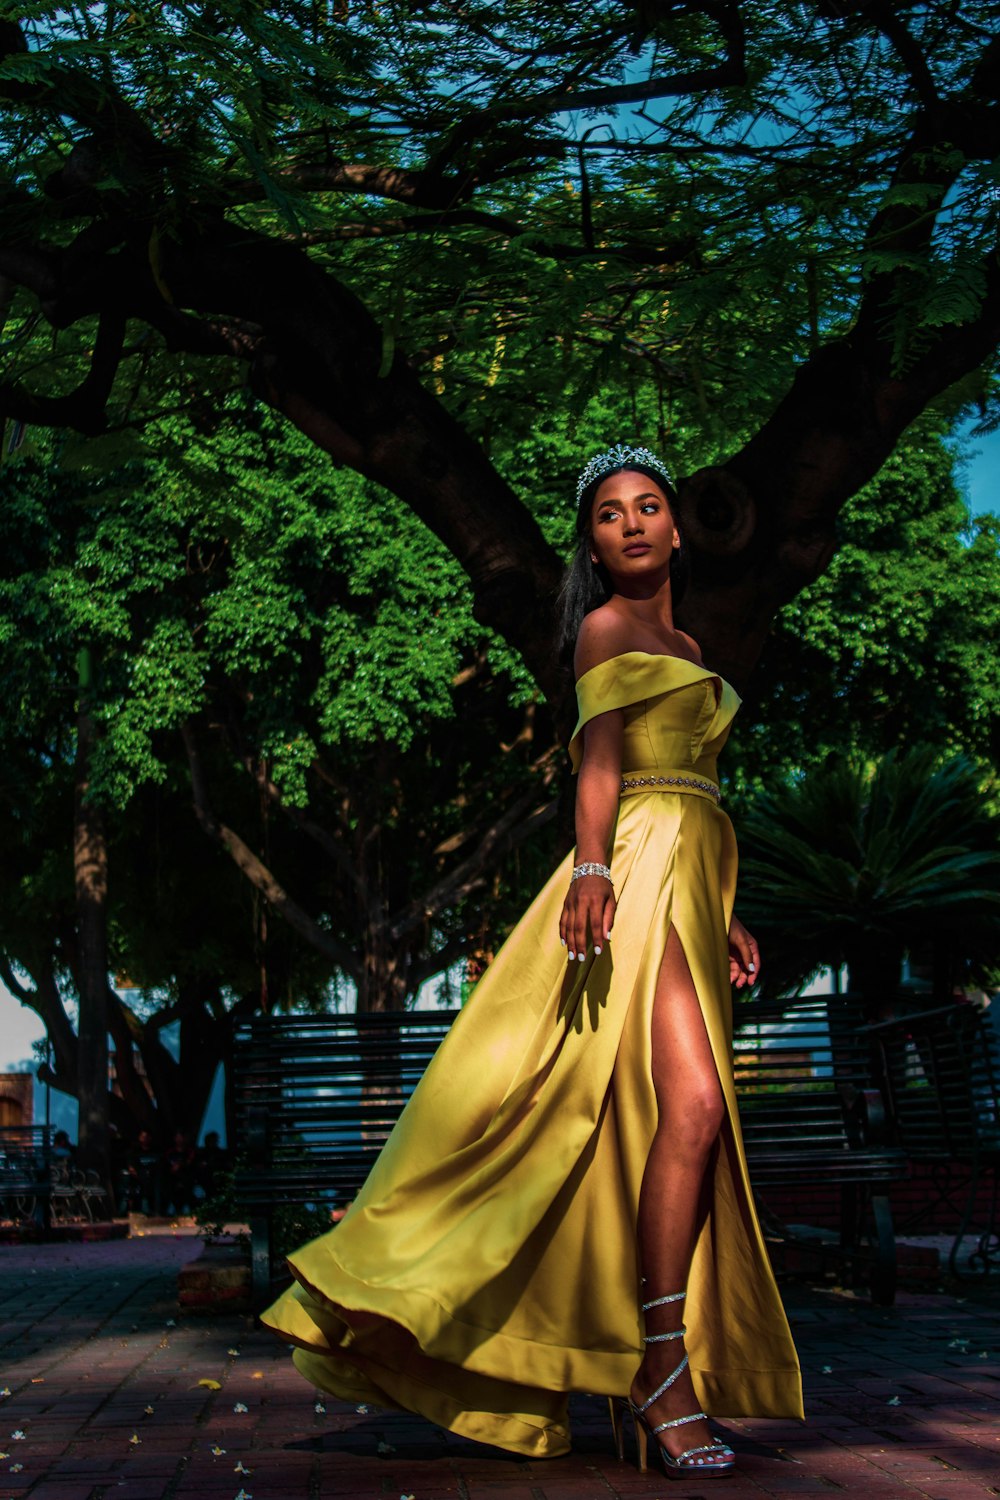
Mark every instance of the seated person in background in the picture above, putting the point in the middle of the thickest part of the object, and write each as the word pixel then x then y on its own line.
pixel 178 1174
pixel 210 1162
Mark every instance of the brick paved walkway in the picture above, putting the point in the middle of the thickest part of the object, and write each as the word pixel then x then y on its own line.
pixel 106 1402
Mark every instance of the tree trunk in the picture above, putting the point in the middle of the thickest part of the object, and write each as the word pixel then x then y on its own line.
pixel 90 858
pixel 385 968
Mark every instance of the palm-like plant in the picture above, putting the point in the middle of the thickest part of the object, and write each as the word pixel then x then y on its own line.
pixel 859 864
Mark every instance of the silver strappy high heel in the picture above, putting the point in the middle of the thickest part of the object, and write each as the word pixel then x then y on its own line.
pixel 714 1459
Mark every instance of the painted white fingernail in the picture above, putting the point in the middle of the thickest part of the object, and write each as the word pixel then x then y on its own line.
pixel 597 950
pixel 581 956
pixel 563 941
pixel 571 954
pixel 750 967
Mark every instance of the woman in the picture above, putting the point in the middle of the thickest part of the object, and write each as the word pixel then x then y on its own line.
pixel 571 1161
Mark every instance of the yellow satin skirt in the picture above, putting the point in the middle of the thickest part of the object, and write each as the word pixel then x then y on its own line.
pixel 488 1267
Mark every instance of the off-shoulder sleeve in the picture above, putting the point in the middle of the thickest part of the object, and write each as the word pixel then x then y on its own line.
pixel 627 679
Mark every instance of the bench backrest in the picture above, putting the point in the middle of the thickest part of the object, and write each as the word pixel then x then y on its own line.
pixel 803 1078
pixel 316 1099
pixel 942 1071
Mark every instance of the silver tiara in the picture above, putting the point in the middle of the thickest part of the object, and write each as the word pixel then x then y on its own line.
pixel 621 456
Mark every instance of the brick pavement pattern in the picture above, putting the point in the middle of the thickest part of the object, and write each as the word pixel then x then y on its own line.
pixel 108 1395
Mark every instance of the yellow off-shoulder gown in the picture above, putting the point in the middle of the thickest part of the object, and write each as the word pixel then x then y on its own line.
pixel 488 1267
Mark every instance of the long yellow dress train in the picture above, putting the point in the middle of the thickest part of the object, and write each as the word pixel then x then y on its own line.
pixel 488 1267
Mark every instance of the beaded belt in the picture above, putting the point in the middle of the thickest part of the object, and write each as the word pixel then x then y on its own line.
pixel 671 783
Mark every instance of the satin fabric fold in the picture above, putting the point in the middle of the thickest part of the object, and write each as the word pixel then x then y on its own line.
pixel 488 1267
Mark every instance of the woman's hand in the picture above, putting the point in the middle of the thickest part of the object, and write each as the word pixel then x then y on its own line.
pixel 744 957
pixel 590 902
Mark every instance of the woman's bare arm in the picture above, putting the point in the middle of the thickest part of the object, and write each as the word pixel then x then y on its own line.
pixel 590 900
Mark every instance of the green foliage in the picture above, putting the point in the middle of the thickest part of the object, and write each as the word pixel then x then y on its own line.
pixel 522 253
pixel 896 643
pixel 318 641
pixel 221 1207
pixel 858 863
pixel 293 1225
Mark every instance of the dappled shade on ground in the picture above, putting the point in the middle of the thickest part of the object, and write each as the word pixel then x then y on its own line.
pixel 115 1394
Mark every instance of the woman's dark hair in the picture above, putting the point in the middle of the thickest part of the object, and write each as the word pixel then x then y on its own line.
pixel 586 584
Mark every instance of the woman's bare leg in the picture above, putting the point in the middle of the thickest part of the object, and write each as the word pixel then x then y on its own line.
pixel 691 1110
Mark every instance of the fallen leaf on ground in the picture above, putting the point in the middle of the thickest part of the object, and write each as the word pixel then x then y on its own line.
pixel 218 1451
pixel 892 1401
pixel 386 1448
pixel 211 1385
pixel 147 1411
pixel 319 1408
pixel 135 1440
pixel 240 1407
pixel 239 1468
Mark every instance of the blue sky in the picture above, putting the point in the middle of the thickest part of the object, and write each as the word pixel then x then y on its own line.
pixel 982 473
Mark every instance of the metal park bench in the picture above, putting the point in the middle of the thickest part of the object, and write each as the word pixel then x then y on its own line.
pixel 25 1175
pixel 39 1188
pixel 941 1069
pixel 315 1101
pixel 812 1115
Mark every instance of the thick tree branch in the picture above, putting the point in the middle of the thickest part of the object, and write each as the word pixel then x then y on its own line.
pixel 762 525
pixel 84 407
pixel 73 94
pixel 894 28
pixel 396 184
pixel 320 363
pixel 46 1001
pixel 672 253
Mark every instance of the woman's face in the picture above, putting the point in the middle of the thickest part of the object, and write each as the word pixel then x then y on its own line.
pixel 632 532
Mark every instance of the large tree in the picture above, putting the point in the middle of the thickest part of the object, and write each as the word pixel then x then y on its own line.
pixel 414 225
pixel 279 803
pixel 311 765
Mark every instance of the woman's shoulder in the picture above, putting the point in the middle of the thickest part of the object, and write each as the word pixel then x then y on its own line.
pixel 693 647
pixel 603 636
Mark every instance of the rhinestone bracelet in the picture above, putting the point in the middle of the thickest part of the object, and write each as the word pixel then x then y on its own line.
pixel 591 869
